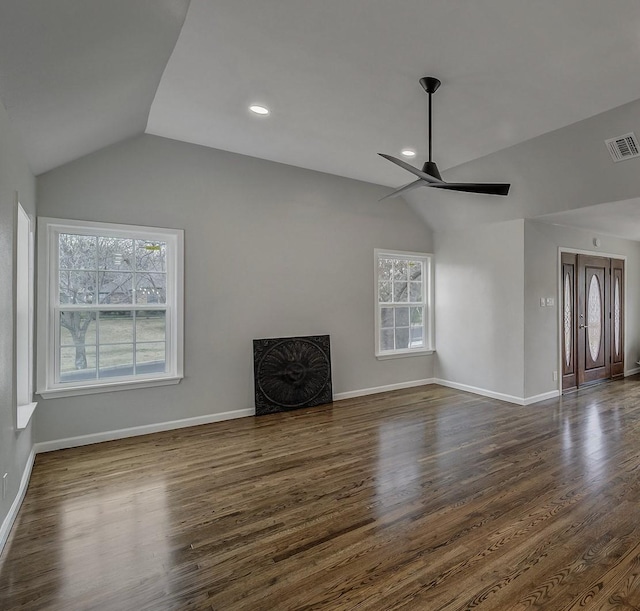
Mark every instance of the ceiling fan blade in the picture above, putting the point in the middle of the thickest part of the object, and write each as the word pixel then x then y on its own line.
pixel 405 166
pixel 471 187
pixel 410 187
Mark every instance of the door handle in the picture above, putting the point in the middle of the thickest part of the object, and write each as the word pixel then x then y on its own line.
pixel 583 327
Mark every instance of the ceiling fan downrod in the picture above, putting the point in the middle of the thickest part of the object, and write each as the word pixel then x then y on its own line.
pixel 430 84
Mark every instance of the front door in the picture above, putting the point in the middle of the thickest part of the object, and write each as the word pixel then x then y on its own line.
pixel 592 329
pixel 593 319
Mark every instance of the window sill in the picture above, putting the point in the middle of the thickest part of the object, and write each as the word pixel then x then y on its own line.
pixel 401 355
pixel 54 393
pixel 24 415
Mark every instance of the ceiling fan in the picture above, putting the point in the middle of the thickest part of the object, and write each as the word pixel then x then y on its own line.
pixel 429 176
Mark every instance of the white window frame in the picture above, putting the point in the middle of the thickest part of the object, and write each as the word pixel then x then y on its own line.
pixel 24 290
pixel 48 231
pixel 427 288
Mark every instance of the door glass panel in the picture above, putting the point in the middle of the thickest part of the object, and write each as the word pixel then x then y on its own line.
pixel 616 316
pixel 567 320
pixel 594 318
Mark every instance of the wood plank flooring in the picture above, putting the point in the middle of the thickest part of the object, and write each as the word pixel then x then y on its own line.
pixel 427 499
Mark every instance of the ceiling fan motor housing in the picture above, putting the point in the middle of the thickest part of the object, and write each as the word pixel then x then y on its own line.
pixel 431 168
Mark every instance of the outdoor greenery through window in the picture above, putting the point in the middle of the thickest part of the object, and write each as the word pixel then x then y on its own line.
pixel 113 305
pixel 402 308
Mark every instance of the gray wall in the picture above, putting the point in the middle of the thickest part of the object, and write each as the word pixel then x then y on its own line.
pixel 15 175
pixel 271 250
pixel 542 242
pixel 479 307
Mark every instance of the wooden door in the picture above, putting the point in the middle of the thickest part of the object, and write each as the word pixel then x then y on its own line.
pixel 594 329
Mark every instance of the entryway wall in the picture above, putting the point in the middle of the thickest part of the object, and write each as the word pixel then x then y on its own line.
pixel 542 244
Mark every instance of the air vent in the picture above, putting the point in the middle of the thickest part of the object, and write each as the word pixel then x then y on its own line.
pixel 623 147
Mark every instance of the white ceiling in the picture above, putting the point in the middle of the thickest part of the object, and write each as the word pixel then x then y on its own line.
pixel 341 77
pixel 620 219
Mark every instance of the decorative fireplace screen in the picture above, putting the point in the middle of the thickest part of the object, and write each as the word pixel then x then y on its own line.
pixel 291 372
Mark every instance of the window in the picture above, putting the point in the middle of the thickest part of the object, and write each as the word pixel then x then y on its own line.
pixel 24 318
pixel 111 313
pixel 403 303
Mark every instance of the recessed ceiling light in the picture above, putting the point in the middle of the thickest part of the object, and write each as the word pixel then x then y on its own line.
pixel 409 153
pixel 259 110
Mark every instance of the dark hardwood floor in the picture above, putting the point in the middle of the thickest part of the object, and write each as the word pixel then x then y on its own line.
pixel 425 499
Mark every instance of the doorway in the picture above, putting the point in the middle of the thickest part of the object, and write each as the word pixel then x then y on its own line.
pixel 592 319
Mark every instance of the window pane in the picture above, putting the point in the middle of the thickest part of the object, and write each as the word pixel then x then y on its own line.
pixel 115 254
pixel 400 291
pixel 385 268
pixel 115 287
pixel 150 326
pixel 416 316
pixel 384 292
pixel 415 270
pixel 116 327
pixel 400 269
pixel 77 287
pixel 386 339
pixel 150 358
pixel 151 288
pixel 402 317
pixel 77 328
pixel 386 317
pixel 417 337
pixel 151 256
pixel 77 363
pixel 115 361
pixel 77 251
pixel 415 292
pixel 402 338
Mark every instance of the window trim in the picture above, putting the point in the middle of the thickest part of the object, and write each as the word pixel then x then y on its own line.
pixel 24 316
pixel 429 317
pixel 48 230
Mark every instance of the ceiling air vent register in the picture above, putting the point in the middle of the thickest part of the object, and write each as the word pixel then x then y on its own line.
pixel 623 147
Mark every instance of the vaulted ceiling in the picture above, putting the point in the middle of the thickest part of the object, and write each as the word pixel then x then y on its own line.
pixel 78 75
pixel 339 76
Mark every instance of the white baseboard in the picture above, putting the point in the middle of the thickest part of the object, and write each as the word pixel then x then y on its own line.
pixel 631 372
pixel 498 395
pixel 363 392
pixel 481 391
pixel 552 394
pixel 83 440
pixel 5 528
